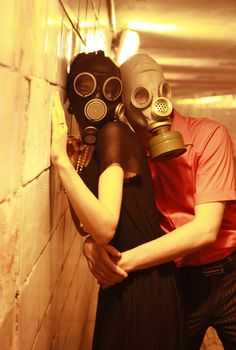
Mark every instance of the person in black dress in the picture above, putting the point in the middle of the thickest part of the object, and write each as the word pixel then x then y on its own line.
pixel 112 199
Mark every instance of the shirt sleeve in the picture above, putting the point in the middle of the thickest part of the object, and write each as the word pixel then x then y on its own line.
pixel 215 179
pixel 117 143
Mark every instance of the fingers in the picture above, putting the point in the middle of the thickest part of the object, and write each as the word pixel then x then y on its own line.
pixel 103 274
pixel 115 256
pixel 53 112
pixel 101 264
pixel 105 286
pixel 58 115
pixel 58 131
pixel 112 251
pixel 112 267
pixel 73 145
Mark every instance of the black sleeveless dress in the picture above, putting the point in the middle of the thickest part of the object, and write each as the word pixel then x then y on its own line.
pixel 144 312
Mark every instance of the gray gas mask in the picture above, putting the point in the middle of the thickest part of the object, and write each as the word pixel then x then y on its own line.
pixel 147 98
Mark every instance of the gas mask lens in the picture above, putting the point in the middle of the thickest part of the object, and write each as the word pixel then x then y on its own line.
pixel 85 84
pixel 141 97
pixel 112 88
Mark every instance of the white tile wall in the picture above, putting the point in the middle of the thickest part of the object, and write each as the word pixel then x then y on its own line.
pixel 13 99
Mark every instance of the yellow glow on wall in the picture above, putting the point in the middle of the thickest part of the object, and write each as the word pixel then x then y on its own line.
pixel 90 24
pixel 176 28
pixel 152 27
pixel 129 45
pixel 69 45
pixel 228 101
pixel 95 40
pixel 94 35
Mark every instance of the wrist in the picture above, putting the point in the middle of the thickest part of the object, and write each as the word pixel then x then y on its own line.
pixel 62 162
pixel 86 245
pixel 125 261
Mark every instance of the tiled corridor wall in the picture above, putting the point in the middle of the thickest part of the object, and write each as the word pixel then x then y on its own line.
pixel 46 290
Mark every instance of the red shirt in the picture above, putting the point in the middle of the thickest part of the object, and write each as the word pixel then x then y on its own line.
pixel 204 173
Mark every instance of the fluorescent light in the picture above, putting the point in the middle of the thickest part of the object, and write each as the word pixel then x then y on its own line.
pixel 129 45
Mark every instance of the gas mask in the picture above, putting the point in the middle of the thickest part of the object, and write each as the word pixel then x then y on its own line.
pixel 147 98
pixel 94 92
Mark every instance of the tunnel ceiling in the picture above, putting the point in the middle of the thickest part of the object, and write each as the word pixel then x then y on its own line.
pixel 194 41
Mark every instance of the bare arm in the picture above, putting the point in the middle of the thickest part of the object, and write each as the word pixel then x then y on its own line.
pixel 98 215
pixel 198 233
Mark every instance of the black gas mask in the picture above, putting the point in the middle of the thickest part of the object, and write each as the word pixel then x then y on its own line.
pixel 94 92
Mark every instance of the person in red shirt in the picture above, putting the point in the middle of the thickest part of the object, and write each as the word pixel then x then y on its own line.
pixel 195 195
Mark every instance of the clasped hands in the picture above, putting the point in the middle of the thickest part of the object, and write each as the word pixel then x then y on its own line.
pixel 103 262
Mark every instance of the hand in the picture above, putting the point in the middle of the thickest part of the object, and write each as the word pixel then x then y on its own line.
pixel 59 131
pixel 73 149
pixel 102 262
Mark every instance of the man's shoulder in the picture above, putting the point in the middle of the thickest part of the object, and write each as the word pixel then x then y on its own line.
pixel 192 124
pixel 202 122
pixel 203 127
pixel 199 130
